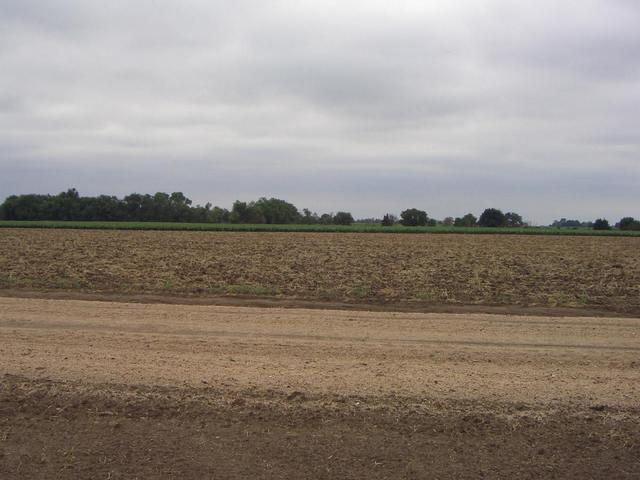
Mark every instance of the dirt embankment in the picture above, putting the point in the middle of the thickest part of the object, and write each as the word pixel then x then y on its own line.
pixel 117 390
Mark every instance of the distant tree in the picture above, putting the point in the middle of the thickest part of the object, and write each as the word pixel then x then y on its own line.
pixel 149 208
pixel 492 217
pixel 413 218
pixel 178 208
pixel 431 222
pixel 326 219
pixel 103 207
pixel 159 207
pixel 219 215
pixel 564 223
pixel 469 220
pixel 243 212
pixel 388 220
pixel 309 217
pixel 68 205
pixel 513 220
pixel 200 214
pixel 628 223
pixel 276 211
pixel 601 224
pixel 26 207
pixel 448 221
pixel 342 218
pixel 178 198
pixel 133 206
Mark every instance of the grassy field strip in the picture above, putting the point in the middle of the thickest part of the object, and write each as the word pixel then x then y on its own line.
pixel 356 228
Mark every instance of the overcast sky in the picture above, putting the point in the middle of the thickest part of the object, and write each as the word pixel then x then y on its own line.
pixel 370 106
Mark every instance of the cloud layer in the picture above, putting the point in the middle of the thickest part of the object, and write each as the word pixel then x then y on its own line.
pixel 446 106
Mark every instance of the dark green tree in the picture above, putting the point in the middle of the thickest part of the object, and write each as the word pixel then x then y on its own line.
pixel 243 212
pixel 564 223
pixel 413 218
pixel 601 224
pixel 133 206
pixel 512 219
pixel 219 215
pixel 629 223
pixel 388 220
pixel 68 205
pixel 309 217
pixel 103 207
pixel 492 217
pixel 179 207
pixel 342 218
pixel 326 219
pixel 469 220
pixel 276 211
pixel 24 207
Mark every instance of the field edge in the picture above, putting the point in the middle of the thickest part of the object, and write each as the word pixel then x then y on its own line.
pixel 312 228
pixel 319 304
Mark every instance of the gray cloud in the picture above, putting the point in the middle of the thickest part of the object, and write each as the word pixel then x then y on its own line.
pixel 445 105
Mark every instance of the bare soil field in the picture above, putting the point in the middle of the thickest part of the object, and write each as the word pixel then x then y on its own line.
pixel 373 269
pixel 121 390
pixel 196 379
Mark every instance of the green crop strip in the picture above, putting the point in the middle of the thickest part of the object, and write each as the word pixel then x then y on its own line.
pixel 355 228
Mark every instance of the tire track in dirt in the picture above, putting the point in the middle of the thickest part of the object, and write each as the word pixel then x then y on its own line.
pixel 447 356
pixel 17 324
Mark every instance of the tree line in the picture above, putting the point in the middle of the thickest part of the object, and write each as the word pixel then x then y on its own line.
pixel 491 217
pixel 626 223
pixel 159 207
pixel 176 207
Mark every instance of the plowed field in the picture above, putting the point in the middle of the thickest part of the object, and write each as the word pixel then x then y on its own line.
pixel 208 387
pixel 426 270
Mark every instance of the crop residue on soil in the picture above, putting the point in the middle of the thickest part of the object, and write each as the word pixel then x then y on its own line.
pixel 578 272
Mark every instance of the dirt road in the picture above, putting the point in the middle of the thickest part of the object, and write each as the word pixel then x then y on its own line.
pixel 119 390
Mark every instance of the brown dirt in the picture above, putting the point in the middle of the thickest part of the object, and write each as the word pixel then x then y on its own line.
pixel 594 273
pixel 315 304
pixel 117 390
